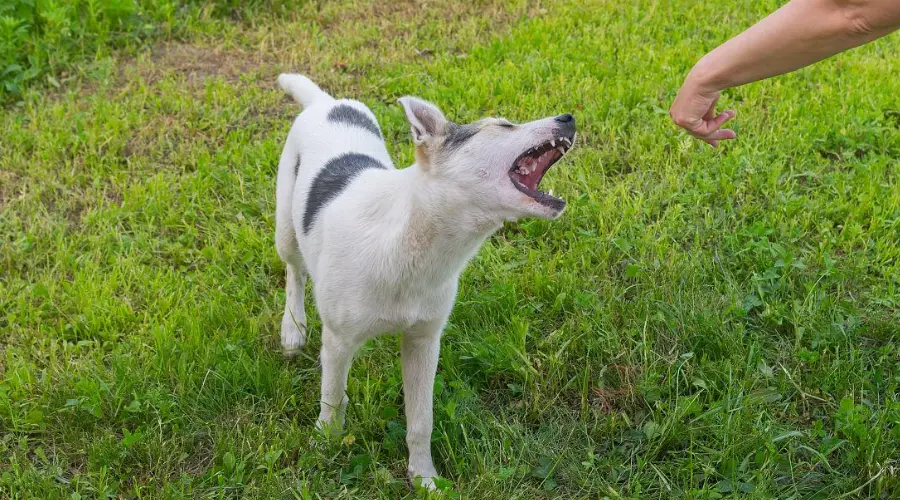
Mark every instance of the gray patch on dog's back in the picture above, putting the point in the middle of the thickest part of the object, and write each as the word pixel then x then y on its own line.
pixel 348 115
pixel 332 179
pixel 457 135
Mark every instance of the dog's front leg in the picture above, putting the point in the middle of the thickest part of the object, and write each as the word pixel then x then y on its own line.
pixel 420 349
pixel 336 355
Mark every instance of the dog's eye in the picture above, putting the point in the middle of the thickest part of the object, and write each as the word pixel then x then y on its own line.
pixel 505 124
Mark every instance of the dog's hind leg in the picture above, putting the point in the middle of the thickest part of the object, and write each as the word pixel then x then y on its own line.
pixel 293 323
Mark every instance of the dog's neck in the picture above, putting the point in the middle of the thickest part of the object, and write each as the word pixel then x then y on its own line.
pixel 444 225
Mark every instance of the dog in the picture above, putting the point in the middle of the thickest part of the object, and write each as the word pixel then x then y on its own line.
pixel 385 247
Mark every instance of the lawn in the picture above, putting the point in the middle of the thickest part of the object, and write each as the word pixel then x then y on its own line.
pixel 700 323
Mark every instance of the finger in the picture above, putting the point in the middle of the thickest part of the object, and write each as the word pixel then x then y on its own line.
pixel 721 135
pixel 708 127
pixel 722 118
pixel 712 142
pixel 711 112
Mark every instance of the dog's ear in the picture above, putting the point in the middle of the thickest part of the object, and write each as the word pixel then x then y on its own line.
pixel 425 119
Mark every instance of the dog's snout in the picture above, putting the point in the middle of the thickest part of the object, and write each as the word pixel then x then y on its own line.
pixel 566 118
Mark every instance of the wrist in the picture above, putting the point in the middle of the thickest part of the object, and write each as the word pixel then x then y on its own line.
pixel 704 79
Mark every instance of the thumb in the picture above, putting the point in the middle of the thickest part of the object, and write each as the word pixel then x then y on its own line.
pixel 722 118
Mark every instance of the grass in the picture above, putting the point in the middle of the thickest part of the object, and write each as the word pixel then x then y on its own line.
pixel 699 324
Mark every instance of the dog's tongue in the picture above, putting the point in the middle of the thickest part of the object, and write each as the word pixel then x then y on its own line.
pixel 536 167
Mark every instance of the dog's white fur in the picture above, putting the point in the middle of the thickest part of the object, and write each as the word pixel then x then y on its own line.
pixel 386 253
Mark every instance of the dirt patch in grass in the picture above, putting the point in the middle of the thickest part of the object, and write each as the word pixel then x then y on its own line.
pixel 8 184
pixel 331 41
pixel 622 396
pixel 200 457
pixel 197 63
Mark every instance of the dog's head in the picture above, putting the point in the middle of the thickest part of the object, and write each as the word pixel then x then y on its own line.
pixel 500 164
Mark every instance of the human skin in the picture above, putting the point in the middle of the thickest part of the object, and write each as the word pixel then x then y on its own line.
pixel 800 33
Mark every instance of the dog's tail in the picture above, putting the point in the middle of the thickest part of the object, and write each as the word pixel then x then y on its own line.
pixel 301 88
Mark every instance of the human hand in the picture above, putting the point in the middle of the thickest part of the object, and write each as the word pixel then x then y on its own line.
pixel 694 110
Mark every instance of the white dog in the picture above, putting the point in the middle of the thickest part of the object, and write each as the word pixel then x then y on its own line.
pixel 385 247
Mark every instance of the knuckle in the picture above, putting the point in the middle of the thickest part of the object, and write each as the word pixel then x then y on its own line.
pixel 680 120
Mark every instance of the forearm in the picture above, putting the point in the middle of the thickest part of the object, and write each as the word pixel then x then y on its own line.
pixel 802 32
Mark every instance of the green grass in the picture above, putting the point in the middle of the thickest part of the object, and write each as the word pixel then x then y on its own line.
pixel 699 324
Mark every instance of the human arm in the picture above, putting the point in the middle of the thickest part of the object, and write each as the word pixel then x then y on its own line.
pixel 798 34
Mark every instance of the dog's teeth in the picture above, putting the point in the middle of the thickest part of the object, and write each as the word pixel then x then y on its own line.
pixel 561 150
pixel 569 142
pixel 552 143
pixel 550 192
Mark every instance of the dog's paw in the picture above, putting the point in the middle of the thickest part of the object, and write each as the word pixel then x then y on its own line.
pixel 423 481
pixel 290 352
pixel 328 431
pixel 326 437
pixel 293 337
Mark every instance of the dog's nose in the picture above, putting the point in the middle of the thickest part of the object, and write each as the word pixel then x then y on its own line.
pixel 566 118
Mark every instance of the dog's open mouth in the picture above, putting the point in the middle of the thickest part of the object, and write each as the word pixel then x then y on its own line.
pixel 530 167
